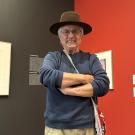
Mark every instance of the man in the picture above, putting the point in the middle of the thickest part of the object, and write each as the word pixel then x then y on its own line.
pixel 69 109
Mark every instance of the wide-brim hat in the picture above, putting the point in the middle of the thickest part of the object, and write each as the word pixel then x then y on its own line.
pixel 70 18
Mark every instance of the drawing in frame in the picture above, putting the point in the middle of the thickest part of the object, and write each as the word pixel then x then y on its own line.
pixel 106 61
pixel 5 61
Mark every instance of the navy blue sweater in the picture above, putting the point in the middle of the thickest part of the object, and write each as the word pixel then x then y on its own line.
pixel 63 111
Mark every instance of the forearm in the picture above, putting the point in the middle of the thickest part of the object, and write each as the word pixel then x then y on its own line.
pixel 85 90
pixel 70 79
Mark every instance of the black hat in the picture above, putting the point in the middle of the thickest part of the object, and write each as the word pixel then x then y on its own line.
pixel 73 18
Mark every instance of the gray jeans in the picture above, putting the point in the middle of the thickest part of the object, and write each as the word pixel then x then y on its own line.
pixel 83 131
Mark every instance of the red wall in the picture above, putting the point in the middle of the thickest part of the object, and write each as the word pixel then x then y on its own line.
pixel 113 25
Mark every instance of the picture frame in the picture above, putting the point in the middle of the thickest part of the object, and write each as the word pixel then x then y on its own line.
pixel 106 61
pixel 5 63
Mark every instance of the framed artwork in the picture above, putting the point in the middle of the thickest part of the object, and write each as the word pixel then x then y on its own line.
pixel 106 61
pixel 5 56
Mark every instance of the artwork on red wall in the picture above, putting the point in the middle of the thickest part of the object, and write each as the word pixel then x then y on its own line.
pixel 133 79
pixel 133 85
pixel 106 61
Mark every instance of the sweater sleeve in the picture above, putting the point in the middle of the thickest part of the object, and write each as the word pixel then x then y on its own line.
pixel 50 76
pixel 101 81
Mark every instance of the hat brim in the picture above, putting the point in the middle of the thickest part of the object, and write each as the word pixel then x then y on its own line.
pixel 86 27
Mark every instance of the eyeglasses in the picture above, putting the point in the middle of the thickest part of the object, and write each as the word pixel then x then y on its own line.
pixel 73 31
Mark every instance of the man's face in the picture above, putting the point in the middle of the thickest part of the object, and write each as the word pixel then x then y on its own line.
pixel 70 37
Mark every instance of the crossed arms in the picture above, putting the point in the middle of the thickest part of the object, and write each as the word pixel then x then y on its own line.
pixel 85 85
pixel 83 90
